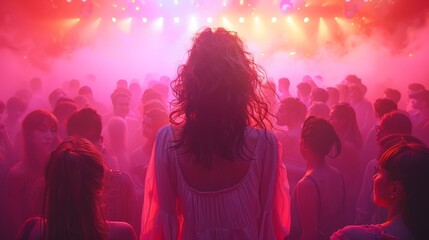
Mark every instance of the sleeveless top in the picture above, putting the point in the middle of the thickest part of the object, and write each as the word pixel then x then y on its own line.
pixel 326 226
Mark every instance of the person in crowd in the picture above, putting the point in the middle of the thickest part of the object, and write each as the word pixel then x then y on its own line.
pixel 366 211
pixel 72 198
pixel 319 95
pixel 38 101
pixel 420 102
pixel 23 188
pixel 291 116
pixel 7 147
pixel 163 89
pixel 72 88
pixel 392 94
pixel 399 188
pixel 151 97
pixel 318 103
pixel 121 98
pixel 7 159
pixel 363 108
pixel 136 93
pixel 54 96
pixel 15 108
pixel 139 160
pixel 308 79
pixel 393 123
pixel 119 194
pixel 303 92
pixel 283 88
pixel 344 93
pixel 382 106
pixel 116 133
pixel 318 200
pixel 215 172
pixel 318 109
pixel 413 88
pixel 343 119
pixel 334 96
pixel 122 84
pixel 86 91
pixel 64 108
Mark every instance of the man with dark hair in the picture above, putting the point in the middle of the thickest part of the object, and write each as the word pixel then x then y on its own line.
pixel 119 193
pixel 291 116
pixel 303 92
pixel 363 108
pixel 283 86
pixel 86 92
pixel 392 94
pixel 412 89
pixel 420 102
pixel 382 106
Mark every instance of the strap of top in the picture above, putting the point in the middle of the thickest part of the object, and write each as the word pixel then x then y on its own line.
pixel 25 235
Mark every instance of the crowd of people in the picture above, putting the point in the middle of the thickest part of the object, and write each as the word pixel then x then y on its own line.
pixel 225 154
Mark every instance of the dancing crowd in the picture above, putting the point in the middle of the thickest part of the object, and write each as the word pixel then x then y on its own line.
pixel 220 151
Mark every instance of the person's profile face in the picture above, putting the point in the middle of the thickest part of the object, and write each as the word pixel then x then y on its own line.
pixel 121 106
pixel 43 138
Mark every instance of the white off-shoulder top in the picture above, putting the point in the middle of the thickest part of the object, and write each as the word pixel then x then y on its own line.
pixel 258 207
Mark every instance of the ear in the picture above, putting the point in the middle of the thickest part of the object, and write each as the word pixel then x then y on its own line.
pixel 396 191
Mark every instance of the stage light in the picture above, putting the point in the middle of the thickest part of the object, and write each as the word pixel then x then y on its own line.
pixel 193 24
pixel 257 19
pixel 160 20
pixel 209 20
pixel 241 19
pixel 69 1
pixel 289 19
pixel 274 19
pixel 144 19
pixel 306 19
pixel 286 5
pixel 137 8
pixel 176 2
pixel 123 9
pixel 114 19
pixel 176 19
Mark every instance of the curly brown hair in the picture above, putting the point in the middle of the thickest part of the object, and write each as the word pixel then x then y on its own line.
pixel 218 94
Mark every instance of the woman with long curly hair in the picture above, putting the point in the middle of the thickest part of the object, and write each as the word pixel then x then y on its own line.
pixel 74 179
pixel 215 172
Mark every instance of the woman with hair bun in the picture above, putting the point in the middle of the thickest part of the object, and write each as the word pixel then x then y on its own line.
pixel 319 198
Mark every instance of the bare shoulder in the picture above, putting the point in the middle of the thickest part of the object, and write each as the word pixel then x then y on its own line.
pixel 353 232
pixel 120 231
